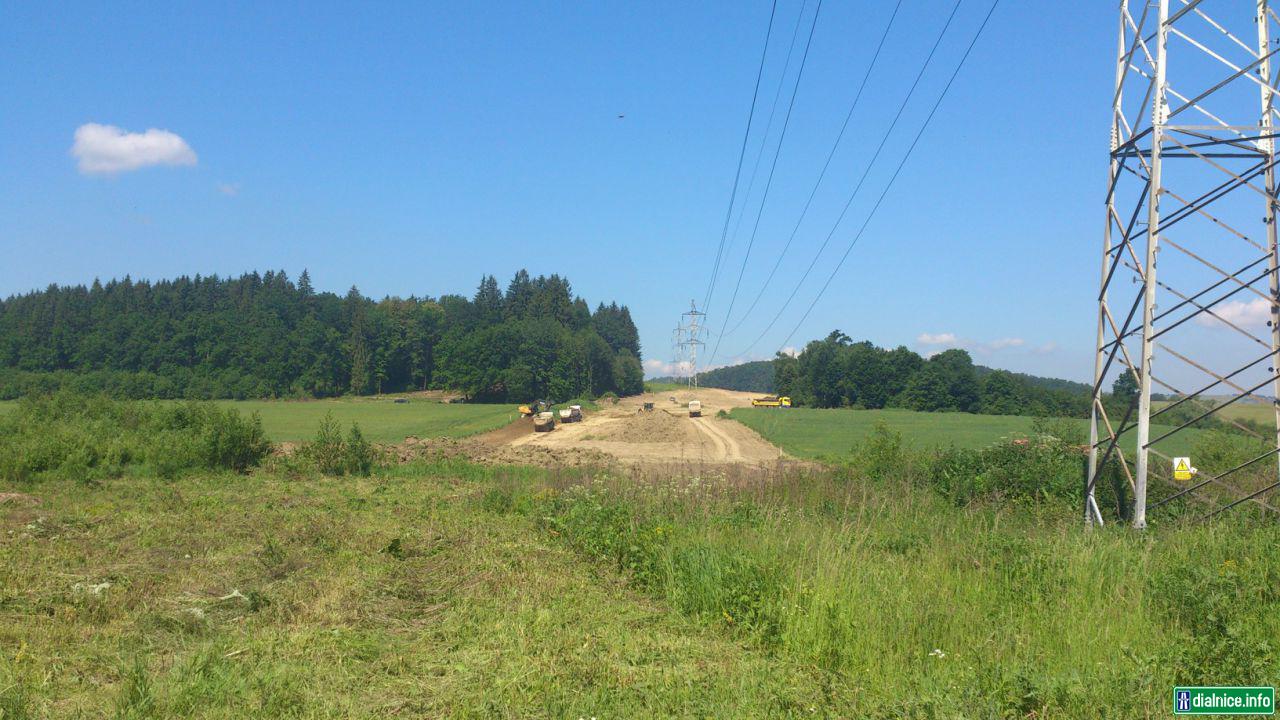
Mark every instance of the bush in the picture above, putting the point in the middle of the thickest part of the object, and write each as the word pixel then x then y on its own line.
pixel 333 454
pixel 90 438
pixel 881 455
pixel 1030 469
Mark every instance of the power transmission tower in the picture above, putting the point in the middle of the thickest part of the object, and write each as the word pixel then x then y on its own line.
pixel 1192 193
pixel 689 337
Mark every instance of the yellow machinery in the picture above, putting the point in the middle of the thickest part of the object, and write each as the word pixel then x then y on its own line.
pixel 771 401
pixel 533 408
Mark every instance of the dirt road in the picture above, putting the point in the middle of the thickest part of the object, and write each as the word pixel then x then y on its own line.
pixel 665 435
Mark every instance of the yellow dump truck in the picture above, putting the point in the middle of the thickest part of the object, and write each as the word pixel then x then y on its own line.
pixel 771 401
pixel 544 422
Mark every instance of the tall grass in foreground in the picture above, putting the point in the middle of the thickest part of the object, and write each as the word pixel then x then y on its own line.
pixel 912 606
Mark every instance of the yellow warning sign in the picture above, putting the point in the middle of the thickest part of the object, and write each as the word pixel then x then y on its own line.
pixel 1182 469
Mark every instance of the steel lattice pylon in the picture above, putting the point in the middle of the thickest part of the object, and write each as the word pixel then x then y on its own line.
pixel 1189 263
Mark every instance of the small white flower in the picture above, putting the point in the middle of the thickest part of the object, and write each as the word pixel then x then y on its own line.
pixel 938 653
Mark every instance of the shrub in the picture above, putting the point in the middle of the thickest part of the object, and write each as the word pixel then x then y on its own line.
pixel 90 438
pixel 1033 469
pixel 881 455
pixel 333 454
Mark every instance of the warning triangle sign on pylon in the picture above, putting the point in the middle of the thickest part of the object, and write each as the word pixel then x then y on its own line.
pixel 1182 469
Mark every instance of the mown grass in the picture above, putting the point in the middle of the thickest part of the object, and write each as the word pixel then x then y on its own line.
pixel 381 420
pixel 451 590
pixel 398 595
pixel 814 433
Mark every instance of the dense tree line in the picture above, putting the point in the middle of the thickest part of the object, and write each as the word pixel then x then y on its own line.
pixel 837 372
pixel 267 336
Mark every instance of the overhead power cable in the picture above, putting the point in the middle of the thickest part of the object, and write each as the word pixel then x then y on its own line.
pixel 823 173
pixel 742 152
pixel 764 136
pixel 769 182
pixel 894 177
pixel 866 171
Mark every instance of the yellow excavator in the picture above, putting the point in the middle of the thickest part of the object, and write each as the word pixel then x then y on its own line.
pixel 771 401
pixel 533 408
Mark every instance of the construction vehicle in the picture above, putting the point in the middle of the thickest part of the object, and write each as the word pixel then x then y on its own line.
pixel 695 408
pixel 771 401
pixel 544 422
pixel 571 414
pixel 648 407
pixel 533 408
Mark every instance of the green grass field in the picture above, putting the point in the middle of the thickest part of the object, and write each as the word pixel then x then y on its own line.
pixel 812 433
pixel 379 420
pixel 458 591
pixel 1257 412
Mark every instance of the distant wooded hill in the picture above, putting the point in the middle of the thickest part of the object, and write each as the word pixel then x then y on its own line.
pixel 837 372
pixel 756 376
pixel 267 336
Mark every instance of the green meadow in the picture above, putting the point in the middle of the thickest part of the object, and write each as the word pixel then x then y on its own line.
pixel 380 420
pixel 451 590
pixel 813 433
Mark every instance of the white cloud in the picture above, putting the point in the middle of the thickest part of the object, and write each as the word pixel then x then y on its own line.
pixel 660 368
pixel 229 189
pixel 937 339
pixel 1046 348
pixel 1003 343
pixel 937 342
pixel 791 351
pixel 1255 312
pixel 107 149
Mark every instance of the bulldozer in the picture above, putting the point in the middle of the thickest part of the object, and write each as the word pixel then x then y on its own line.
pixel 771 401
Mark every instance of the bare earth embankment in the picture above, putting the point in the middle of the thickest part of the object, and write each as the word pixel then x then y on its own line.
pixel 624 433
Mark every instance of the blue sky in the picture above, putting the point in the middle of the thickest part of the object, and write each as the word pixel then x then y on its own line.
pixel 410 148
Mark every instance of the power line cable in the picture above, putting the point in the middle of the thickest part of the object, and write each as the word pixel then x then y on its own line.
pixel 764 137
pixel 769 182
pixel 894 177
pixel 866 171
pixel 821 175
pixel 742 153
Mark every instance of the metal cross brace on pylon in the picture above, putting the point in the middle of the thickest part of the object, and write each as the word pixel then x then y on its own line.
pixel 1189 262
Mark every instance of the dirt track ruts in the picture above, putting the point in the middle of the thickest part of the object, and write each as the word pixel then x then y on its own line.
pixel 665 435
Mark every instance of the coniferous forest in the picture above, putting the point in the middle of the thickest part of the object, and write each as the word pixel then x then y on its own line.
pixel 264 335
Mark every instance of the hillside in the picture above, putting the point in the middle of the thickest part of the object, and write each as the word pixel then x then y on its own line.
pixel 1046 383
pixel 755 376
